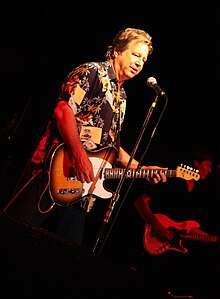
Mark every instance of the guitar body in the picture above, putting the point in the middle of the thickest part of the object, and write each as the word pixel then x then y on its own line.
pixel 64 188
pixel 155 246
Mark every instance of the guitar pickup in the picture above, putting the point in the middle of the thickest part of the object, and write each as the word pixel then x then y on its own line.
pixel 65 191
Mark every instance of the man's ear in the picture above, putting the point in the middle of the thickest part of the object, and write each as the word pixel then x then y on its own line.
pixel 115 52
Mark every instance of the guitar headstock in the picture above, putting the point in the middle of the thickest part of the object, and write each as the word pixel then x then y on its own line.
pixel 187 173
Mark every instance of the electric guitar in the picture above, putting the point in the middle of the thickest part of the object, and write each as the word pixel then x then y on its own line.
pixel 153 245
pixel 65 189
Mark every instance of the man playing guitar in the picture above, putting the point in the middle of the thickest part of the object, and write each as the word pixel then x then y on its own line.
pixel 179 211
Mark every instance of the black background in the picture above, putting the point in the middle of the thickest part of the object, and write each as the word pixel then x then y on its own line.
pixel 42 41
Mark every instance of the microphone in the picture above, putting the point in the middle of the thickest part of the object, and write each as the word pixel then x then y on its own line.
pixel 152 82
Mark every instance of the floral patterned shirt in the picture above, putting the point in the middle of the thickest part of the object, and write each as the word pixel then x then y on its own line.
pixel 91 91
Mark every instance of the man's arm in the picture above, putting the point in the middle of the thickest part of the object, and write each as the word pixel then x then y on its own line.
pixel 143 208
pixel 67 126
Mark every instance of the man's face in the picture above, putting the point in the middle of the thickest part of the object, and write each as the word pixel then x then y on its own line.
pixel 130 62
pixel 204 167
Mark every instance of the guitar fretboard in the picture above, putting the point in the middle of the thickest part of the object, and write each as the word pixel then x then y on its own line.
pixel 116 173
pixel 198 237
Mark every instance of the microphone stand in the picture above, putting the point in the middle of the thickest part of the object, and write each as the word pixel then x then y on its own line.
pixel 115 195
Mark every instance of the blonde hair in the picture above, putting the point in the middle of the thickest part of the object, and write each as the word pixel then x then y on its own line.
pixel 124 37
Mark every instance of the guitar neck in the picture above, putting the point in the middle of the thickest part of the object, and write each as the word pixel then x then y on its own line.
pixel 198 237
pixel 116 173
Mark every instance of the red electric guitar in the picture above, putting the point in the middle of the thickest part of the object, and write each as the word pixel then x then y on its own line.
pixel 154 245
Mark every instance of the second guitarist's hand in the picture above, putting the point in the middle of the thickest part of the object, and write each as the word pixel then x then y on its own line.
pixel 161 231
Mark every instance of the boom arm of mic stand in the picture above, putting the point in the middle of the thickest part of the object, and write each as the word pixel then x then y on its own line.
pixel 116 193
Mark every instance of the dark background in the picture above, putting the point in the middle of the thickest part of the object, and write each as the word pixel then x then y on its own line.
pixel 42 41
